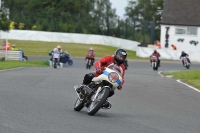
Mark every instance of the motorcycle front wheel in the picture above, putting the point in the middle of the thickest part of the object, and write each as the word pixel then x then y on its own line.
pixel 97 103
pixel 78 105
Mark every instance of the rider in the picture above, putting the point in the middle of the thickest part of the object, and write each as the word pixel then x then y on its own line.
pixel 118 58
pixel 183 54
pixel 157 54
pixel 14 47
pixel 65 57
pixel 57 49
pixel 90 55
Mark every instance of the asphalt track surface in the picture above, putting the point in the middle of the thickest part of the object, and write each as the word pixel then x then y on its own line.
pixel 41 100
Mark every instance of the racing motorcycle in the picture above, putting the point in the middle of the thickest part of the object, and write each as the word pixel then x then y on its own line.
pixel 154 63
pixel 94 95
pixel 66 59
pixel 55 60
pixel 88 62
pixel 186 63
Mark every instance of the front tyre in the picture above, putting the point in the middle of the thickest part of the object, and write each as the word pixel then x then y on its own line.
pixel 55 64
pixel 188 66
pixel 78 105
pixel 99 101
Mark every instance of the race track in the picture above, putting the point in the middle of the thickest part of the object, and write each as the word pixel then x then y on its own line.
pixel 41 100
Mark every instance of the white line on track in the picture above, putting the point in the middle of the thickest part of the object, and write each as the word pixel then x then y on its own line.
pixel 11 69
pixel 160 73
pixel 178 80
pixel 188 85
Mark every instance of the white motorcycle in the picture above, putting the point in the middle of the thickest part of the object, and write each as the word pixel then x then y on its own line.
pixel 186 63
pixel 94 95
pixel 56 59
pixel 154 63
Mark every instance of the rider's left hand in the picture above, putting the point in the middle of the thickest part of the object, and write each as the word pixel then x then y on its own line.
pixel 119 87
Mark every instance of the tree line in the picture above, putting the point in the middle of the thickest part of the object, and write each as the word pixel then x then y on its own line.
pixel 140 21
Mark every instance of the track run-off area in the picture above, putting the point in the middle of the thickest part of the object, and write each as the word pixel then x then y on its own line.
pixel 41 100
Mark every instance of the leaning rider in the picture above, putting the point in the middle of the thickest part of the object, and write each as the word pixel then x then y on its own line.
pixel 157 54
pixel 183 54
pixel 118 58
pixel 58 50
pixel 90 55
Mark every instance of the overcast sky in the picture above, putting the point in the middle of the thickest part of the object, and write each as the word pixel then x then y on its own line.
pixel 119 5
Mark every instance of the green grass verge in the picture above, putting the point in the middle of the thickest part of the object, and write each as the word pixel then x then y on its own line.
pixel 15 64
pixel 191 77
pixel 38 48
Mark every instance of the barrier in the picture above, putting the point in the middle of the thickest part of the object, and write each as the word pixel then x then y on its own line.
pixel 165 53
pixel 11 55
pixel 69 38
pixel 144 52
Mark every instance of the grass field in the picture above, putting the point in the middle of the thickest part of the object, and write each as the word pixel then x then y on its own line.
pixel 191 77
pixel 38 48
pixel 15 64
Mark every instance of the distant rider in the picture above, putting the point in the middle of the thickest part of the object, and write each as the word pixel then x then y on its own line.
pixel 90 55
pixel 65 57
pixel 58 50
pixel 118 58
pixel 183 54
pixel 14 48
pixel 157 54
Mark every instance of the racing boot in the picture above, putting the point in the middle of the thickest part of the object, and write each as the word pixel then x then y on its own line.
pixel 106 105
pixel 78 88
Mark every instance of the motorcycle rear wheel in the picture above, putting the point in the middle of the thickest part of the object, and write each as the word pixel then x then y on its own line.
pixel 78 105
pixel 70 62
pixel 97 104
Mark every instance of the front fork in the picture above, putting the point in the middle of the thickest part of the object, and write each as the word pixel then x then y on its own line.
pixel 97 92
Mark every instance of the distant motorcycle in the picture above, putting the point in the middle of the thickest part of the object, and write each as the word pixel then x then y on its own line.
pixel 186 63
pixel 66 59
pixel 56 59
pixel 94 95
pixel 154 63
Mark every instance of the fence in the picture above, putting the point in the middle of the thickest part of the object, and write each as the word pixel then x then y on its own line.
pixel 137 30
pixel 11 55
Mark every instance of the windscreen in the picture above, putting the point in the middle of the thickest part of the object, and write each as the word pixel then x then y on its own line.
pixel 116 68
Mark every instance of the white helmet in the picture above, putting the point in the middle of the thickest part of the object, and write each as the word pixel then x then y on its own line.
pixel 91 48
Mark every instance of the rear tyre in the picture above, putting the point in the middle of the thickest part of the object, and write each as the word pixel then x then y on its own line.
pixel 70 62
pixel 78 105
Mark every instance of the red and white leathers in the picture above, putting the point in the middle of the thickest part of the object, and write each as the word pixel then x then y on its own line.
pixel 157 54
pixel 90 54
pixel 104 62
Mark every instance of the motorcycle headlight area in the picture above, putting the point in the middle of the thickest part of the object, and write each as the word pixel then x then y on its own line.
pixel 113 77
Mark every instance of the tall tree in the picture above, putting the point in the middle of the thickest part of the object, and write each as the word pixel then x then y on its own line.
pixel 145 12
pixel 4 21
